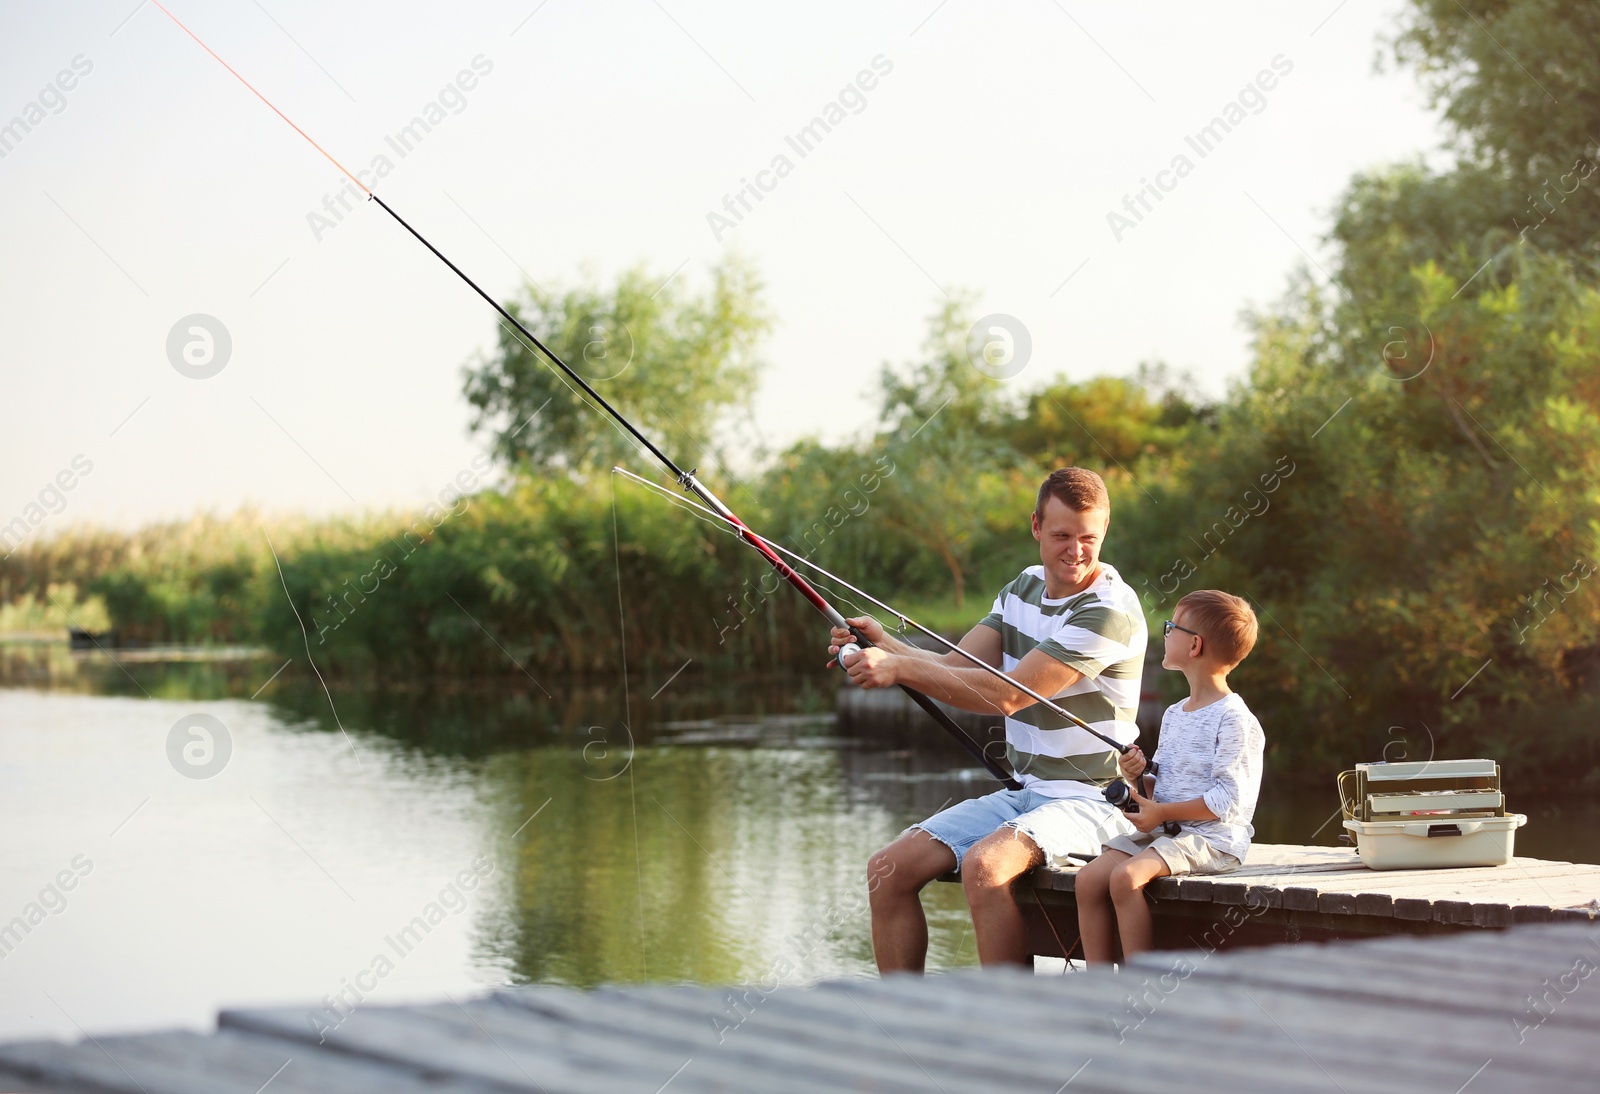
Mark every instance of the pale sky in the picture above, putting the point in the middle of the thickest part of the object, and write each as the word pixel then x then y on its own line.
pixel 988 153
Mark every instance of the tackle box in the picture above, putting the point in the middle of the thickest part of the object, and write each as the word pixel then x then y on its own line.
pixel 1427 813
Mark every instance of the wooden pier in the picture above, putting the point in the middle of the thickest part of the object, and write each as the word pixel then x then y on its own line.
pixel 1292 893
pixel 1485 1011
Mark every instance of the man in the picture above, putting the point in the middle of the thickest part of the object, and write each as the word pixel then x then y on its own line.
pixel 1069 628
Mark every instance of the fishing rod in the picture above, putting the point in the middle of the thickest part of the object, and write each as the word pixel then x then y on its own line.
pixel 686 479
pixel 1000 674
pixel 1116 793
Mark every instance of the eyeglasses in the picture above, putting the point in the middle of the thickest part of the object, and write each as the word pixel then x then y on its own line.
pixel 1169 626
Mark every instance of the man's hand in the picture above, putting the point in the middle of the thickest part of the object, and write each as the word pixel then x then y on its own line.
pixel 1150 814
pixel 1132 762
pixel 872 668
pixel 869 627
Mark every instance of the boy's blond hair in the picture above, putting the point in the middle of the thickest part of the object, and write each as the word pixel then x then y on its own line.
pixel 1226 622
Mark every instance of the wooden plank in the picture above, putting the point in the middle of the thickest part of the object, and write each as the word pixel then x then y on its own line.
pixel 1403 1045
pixel 1337 903
pixel 1297 898
pixel 192 1063
pixel 841 1044
pixel 1229 892
pixel 1074 1015
pixel 1466 973
pixel 847 1053
pixel 1327 890
pixel 1534 887
pixel 1547 887
pixel 1557 875
pixel 985 1049
pixel 1191 888
pixel 961 1051
pixel 1379 904
pixel 517 1047
pixel 1408 1017
pixel 1413 908
pixel 1261 1028
pixel 451 1039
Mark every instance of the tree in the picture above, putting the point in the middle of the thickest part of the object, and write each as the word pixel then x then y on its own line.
pixel 944 422
pixel 1109 422
pixel 1519 81
pixel 674 364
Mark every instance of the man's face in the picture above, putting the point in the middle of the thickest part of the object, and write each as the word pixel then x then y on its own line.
pixel 1069 544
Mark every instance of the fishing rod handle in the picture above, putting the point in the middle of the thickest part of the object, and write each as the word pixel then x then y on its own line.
pixel 1153 770
pixel 1009 781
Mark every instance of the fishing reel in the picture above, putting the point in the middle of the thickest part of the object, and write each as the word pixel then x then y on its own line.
pixel 1120 796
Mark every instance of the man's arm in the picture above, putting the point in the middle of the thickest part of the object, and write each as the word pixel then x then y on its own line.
pixel 983 642
pixel 962 684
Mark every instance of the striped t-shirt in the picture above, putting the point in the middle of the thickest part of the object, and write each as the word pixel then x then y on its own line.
pixel 1101 633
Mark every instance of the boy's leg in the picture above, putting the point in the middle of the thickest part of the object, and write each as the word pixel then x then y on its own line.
pixel 1097 924
pixel 987 872
pixel 896 876
pixel 1128 880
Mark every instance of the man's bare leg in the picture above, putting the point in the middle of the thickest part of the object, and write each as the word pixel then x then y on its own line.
pixel 1097 922
pixel 896 876
pixel 1128 880
pixel 987 872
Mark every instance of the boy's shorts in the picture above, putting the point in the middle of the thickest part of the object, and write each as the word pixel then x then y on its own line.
pixel 1185 853
pixel 1069 831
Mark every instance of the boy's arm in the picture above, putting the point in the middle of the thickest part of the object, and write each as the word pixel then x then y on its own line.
pixel 1153 813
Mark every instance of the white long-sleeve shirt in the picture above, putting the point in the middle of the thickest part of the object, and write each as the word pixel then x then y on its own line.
pixel 1213 753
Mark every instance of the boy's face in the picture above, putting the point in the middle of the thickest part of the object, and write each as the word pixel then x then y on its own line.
pixel 1069 545
pixel 1182 648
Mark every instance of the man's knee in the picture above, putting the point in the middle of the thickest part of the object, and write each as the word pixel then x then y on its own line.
pixel 998 860
pixel 905 866
pixel 884 875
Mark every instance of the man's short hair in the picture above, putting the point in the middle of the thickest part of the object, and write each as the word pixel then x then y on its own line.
pixel 1075 487
pixel 1225 621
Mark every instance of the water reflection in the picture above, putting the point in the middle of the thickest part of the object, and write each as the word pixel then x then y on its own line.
pixel 714 832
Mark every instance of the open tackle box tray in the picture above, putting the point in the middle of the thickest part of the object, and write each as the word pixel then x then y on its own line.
pixel 1428 813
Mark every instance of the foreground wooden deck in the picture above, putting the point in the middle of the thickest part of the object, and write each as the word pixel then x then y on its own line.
pixel 1487 1011
pixel 1290 893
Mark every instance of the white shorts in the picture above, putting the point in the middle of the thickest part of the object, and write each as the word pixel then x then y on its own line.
pixel 1185 853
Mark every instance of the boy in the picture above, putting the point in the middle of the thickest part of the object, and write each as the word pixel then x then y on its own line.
pixel 1209 773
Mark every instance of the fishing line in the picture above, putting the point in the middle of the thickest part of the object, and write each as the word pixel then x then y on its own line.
pixel 694 510
pixel 685 479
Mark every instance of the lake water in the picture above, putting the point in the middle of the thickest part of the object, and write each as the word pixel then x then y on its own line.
pixel 420 844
